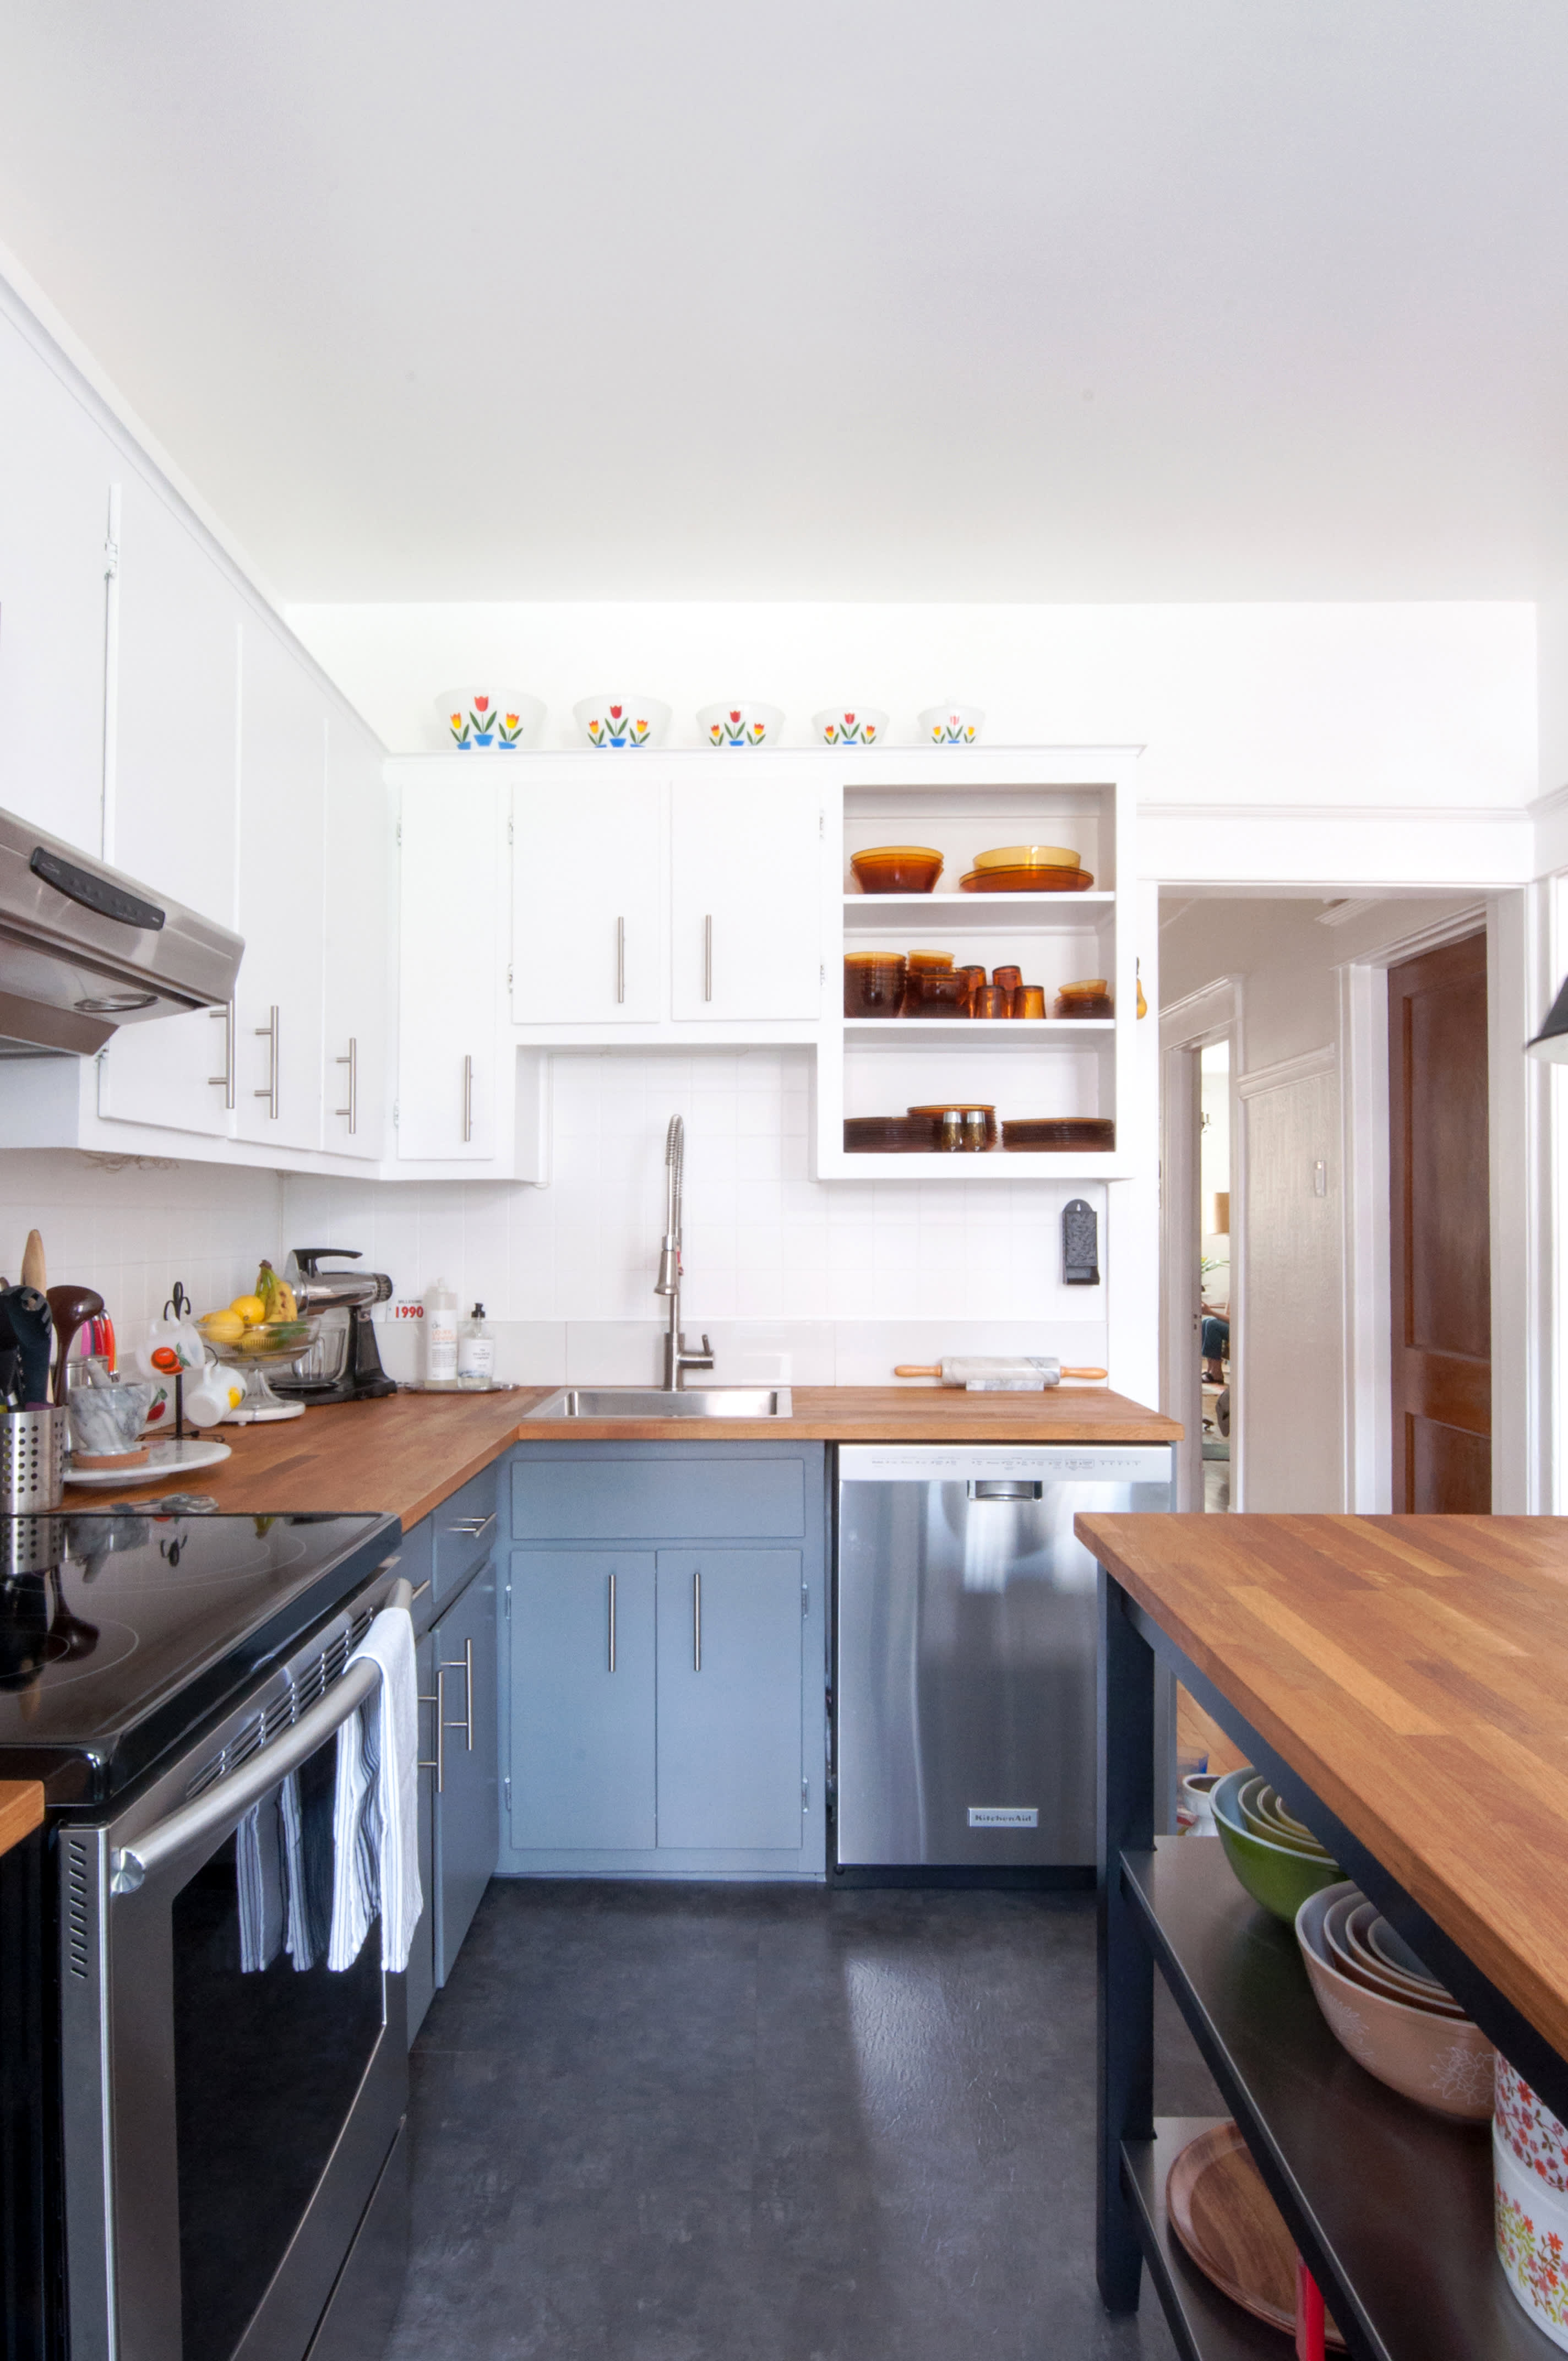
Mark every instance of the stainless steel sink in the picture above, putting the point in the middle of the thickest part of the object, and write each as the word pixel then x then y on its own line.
pixel 652 1401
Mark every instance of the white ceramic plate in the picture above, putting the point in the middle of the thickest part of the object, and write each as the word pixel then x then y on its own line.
pixel 162 1459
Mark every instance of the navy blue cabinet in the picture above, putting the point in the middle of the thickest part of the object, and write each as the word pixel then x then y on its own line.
pixel 666 1645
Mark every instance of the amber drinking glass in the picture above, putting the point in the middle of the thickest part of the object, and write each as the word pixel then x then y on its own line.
pixel 873 982
pixel 975 978
pixel 1029 999
pixel 991 1001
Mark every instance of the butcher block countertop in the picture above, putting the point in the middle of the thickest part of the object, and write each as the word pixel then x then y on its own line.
pixel 404 1457
pixel 21 1810
pixel 1414 1671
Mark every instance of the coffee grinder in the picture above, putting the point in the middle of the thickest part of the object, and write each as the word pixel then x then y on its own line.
pixel 344 1362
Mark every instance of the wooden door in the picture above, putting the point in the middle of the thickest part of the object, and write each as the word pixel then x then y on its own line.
pixel 582 1754
pixel 1440 1226
pixel 730 1683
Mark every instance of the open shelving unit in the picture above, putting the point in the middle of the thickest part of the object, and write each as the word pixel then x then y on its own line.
pixel 1035 1067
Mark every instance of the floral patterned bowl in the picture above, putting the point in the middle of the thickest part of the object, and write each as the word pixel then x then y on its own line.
pixel 1538 2138
pixel 740 725
pixel 1442 2062
pixel 1532 2239
pixel 856 725
pixel 951 725
pixel 490 716
pixel 622 720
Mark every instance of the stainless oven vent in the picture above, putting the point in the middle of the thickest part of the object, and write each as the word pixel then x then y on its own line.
pixel 76 1907
pixel 302 1684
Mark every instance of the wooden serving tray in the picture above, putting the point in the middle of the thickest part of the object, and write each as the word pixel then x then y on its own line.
pixel 1228 2223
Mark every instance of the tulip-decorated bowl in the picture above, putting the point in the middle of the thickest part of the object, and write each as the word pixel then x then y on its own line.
pixel 1279 1876
pixel 851 725
pixel 951 725
pixel 622 722
pixel 502 719
pixel 740 725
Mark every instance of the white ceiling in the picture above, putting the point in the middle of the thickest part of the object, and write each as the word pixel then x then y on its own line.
pixel 1016 298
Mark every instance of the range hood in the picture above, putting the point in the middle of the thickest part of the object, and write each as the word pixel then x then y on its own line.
pixel 84 949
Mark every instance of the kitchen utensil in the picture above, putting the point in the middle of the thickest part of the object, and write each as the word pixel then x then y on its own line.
pixel 935 991
pixel 1198 1792
pixel 1029 999
pixel 966 1108
pixel 32 1331
pixel 1531 2229
pixel 32 1460
pixel 896 869
pixel 1092 1133
pixel 70 1308
pixel 1026 881
pixel 1230 2225
pixel 740 725
pixel 951 725
pixel 10 1377
pixel 163 1460
pixel 1028 856
pixel 1442 2062
pixel 858 725
pixel 106 1420
pixel 995 1372
pixel 1278 1877
pixel 869 1133
pixel 991 1000
pixel 873 982
pixel 622 722
pixel 34 1273
pixel 490 716
pixel 344 1362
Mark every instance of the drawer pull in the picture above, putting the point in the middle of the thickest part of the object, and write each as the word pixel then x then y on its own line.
pixel 472 1527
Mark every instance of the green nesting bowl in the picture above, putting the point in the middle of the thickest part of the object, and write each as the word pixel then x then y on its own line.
pixel 1275 1875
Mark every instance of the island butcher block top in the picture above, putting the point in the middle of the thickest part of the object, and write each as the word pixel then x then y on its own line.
pixel 402 1457
pixel 1414 1671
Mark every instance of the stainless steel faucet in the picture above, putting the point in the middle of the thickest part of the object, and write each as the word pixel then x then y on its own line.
pixel 677 1360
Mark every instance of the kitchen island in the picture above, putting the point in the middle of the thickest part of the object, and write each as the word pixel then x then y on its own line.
pixel 1402 1680
pixel 404 1457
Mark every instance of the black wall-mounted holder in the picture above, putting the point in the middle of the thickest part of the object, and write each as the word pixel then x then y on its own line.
pixel 1079 1244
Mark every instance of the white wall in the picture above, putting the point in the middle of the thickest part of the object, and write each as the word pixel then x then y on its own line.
pixel 1426 704
pixel 130 1227
pixel 842 1278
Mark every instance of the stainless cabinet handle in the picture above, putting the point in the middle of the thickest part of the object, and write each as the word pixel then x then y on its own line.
pixel 707 957
pixel 697 1619
pixel 352 1063
pixel 621 958
pixel 467 1099
pixel 224 1081
pixel 268 1032
pixel 464 1664
pixel 472 1527
pixel 612 1622
pixel 439 1765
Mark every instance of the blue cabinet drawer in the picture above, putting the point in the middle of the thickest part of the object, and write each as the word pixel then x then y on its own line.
pixel 464 1528
pixel 728 1494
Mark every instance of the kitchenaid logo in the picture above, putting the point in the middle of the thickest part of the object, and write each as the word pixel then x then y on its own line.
pixel 1004 1816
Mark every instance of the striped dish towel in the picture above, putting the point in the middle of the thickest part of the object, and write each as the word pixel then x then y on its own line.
pixel 375 1816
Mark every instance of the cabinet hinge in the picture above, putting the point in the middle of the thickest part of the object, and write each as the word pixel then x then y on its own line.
pixel 510 839
pixel 111 559
pixel 399 832
pixel 804 1599
pixel 509 979
pixel 821 823
pixel 397 1110
pixel 506 1791
pixel 822 972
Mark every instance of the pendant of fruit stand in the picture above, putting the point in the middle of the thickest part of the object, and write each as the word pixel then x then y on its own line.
pixel 261 1331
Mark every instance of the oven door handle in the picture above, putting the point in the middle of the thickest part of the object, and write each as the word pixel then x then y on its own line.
pixel 228 1800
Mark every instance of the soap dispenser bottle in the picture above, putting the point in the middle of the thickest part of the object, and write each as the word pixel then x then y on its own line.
pixel 475 1352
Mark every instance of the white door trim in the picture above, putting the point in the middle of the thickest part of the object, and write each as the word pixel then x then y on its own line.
pixel 1186 1026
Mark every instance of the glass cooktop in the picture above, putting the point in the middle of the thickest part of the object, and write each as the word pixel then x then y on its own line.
pixel 121 1631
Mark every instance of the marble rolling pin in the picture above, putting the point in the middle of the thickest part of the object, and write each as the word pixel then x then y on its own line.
pixel 988 1373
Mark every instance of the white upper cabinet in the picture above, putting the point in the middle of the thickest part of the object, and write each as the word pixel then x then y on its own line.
pixel 56 464
pixel 282 803
pixel 359 983
pixel 587 944
pixel 745 900
pixel 175 704
pixel 452 948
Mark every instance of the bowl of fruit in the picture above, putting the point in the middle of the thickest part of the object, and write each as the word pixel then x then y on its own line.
pixel 265 1330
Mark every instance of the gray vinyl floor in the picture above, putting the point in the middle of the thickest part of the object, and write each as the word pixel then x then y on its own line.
pixel 705 2122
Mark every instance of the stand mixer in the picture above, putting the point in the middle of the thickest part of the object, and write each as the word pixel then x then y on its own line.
pixel 344 1362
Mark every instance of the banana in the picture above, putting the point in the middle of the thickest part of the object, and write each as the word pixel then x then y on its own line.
pixel 267 1285
pixel 288 1309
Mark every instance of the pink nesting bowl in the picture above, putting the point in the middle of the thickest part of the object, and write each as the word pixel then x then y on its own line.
pixel 1442 2062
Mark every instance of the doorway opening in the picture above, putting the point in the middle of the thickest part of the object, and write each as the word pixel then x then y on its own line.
pixel 1213 1250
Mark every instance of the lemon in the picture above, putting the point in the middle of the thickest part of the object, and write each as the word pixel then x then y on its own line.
pixel 221 1327
pixel 250 1309
pixel 256 1343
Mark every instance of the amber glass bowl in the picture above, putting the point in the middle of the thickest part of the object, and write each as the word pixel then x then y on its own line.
pixel 935 992
pixel 896 869
pixel 874 984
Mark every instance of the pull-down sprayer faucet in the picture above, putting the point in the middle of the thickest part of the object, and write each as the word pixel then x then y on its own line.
pixel 677 1360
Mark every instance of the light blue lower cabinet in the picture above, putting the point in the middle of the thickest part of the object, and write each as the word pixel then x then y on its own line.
pixel 421 1980
pixel 730 1628
pixel 467 1812
pixel 582 1715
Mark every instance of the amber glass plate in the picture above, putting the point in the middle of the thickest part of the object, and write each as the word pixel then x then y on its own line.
pixel 1026 881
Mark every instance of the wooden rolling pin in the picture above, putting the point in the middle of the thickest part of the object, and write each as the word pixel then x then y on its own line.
pixel 991 1373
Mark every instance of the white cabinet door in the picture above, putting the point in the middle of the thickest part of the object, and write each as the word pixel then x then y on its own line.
pixel 588 898
pixel 450 957
pixel 282 796
pixel 177 690
pixel 359 981
pixel 56 465
pixel 745 899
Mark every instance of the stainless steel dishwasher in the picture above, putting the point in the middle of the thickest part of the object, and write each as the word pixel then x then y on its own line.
pixel 964 1651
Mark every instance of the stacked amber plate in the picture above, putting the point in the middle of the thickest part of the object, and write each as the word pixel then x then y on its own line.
pixel 1026 881
pixel 1081 1131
